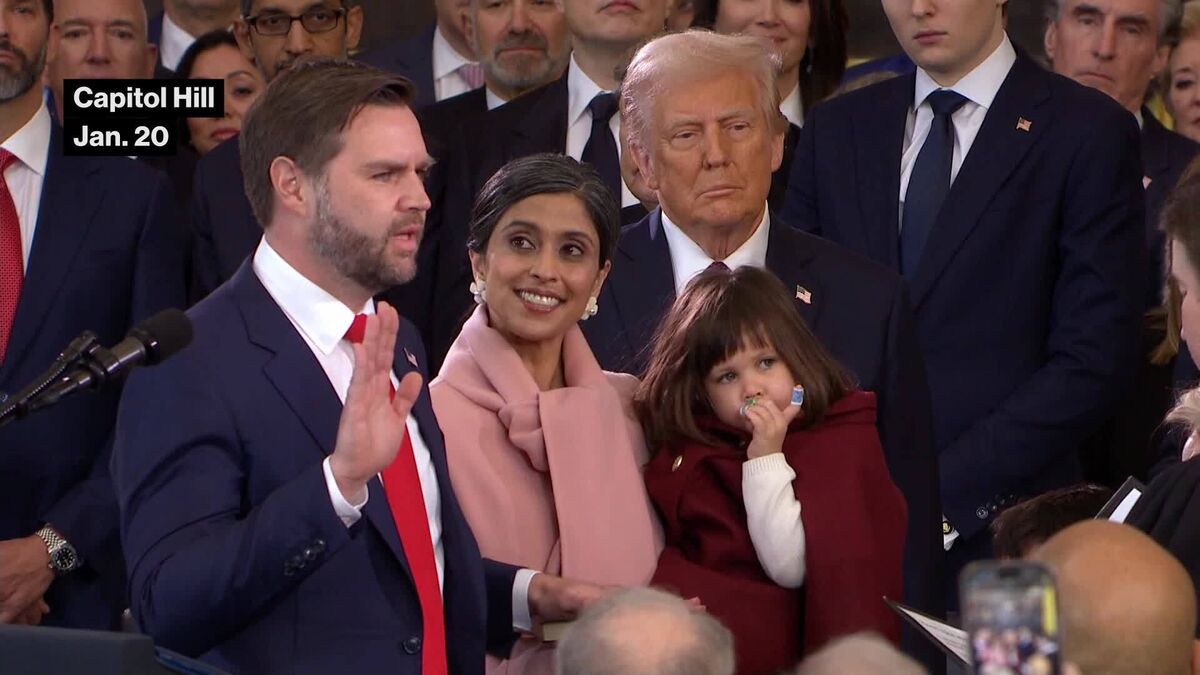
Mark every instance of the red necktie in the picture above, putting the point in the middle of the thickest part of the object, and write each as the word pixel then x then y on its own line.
pixel 402 485
pixel 12 265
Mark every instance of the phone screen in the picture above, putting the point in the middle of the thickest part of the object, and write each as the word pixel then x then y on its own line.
pixel 1012 618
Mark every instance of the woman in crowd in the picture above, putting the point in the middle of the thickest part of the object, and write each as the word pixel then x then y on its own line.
pixel 216 56
pixel 751 421
pixel 544 451
pixel 811 38
pixel 1183 74
pixel 809 34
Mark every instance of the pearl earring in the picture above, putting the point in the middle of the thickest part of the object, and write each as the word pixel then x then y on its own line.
pixel 478 289
pixel 591 309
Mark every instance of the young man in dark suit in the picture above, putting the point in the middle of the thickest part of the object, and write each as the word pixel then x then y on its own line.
pixel 706 134
pixel 1011 201
pixel 86 244
pixel 223 224
pixel 282 511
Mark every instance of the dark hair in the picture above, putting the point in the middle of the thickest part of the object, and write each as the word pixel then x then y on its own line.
pixel 48 6
pixel 545 173
pixel 719 313
pixel 203 44
pixel 1033 521
pixel 1180 218
pixel 302 114
pixel 822 67
pixel 247 4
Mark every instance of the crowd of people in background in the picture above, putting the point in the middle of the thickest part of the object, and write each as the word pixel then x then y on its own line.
pixel 651 316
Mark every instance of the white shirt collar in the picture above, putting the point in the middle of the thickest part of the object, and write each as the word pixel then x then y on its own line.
pixel 688 259
pixel 1140 120
pixel 445 59
pixel 31 143
pixel 981 84
pixel 321 317
pixel 792 107
pixel 173 43
pixel 580 92
pixel 493 101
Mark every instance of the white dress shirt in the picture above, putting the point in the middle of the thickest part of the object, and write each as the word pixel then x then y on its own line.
pixel 792 107
pixel 580 92
pixel 493 101
pixel 322 321
pixel 446 80
pixel 173 43
pixel 31 146
pixel 688 259
pixel 979 87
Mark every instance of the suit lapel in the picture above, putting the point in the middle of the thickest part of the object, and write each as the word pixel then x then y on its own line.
pixel 995 154
pixel 1155 147
pixel 788 258
pixel 543 126
pixel 878 132
pixel 302 383
pixel 644 285
pixel 66 214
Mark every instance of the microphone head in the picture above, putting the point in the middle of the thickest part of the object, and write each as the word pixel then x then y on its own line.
pixel 163 334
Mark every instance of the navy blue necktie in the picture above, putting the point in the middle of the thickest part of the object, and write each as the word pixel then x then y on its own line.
pixel 601 149
pixel 929 181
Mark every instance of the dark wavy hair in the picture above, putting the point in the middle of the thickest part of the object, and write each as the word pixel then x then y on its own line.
pixel 822 67
pixel 545 173
pixel 719 313
pixel 203 44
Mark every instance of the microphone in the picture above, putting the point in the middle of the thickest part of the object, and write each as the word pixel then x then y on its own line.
pixel 148 343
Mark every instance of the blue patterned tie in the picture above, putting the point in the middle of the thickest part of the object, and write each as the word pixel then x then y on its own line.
pixel 930 180
pixel 601 149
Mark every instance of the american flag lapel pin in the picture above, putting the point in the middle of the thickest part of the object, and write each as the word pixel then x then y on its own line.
pixel 1023 124
pixel 411 359
pixel 803 295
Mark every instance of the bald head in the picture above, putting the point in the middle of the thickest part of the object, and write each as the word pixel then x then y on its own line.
pixel 641 630
pixel 1126 605
pixel 861 654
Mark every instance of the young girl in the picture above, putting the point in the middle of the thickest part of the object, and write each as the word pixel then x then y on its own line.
pixel 751 423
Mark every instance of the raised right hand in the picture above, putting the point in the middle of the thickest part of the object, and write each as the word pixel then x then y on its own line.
pixel 372 425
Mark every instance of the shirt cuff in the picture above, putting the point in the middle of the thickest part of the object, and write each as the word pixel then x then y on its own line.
pixel 772 464
pixel 349 513
pixel 949 534
pixel 522 616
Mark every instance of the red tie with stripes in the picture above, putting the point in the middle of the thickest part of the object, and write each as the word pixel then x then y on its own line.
pixel 12 263
pixel 402 485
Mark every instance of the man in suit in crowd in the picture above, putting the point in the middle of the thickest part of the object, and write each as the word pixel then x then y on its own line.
pixel 522 45
pixel 706 134
pixel 574 115
pixel 223 223
pixel 1011 201
pixel 1119 47
pixel 281 511
pixel 182 21
pixel 440 59
pixel 86 244
pixel 97 39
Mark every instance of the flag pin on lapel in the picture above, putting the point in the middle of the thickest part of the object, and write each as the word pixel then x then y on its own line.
pixel 411 359
pixel 1023 124
pixel 803 295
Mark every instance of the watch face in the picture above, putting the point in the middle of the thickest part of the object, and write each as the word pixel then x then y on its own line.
pixel 64 559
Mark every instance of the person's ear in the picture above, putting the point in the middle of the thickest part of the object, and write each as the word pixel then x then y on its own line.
pixel 478 265
pixel 600 278
pixel 1195 657
pixel 289 185
pixel 354 26
pixel 1050 41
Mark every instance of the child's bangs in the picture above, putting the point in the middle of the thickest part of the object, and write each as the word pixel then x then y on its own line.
pixel 729 330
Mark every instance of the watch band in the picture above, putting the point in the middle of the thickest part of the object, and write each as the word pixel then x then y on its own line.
pixel 63 557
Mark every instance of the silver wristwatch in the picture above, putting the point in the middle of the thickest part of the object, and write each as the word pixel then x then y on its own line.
pixel 63 558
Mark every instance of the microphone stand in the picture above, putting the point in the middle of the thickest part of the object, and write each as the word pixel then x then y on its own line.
pixel 81 352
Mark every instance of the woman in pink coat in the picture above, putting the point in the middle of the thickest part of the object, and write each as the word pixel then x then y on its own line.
pixel 545 453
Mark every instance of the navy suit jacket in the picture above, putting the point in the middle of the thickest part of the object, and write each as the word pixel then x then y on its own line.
pixel 411 57
pixel 858 310
pixel 107 252
pixel 235 552
pixel 1028 296
pixel 1165 154
pixel 224 229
